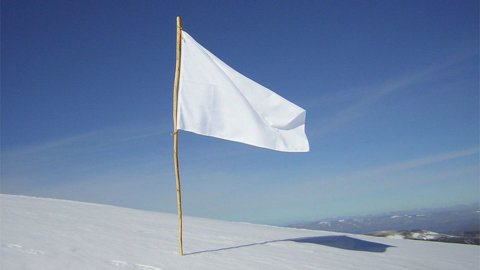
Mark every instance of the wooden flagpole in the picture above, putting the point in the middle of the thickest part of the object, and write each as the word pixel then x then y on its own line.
pixel 175 133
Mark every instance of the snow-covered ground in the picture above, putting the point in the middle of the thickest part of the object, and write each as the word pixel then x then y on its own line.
pixel 55 234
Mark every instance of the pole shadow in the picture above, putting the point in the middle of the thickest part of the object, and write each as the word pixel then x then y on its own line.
pixel 334 241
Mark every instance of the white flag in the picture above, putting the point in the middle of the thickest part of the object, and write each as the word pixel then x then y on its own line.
pixel 215 100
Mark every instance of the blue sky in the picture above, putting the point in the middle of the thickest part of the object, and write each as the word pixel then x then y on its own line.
pixel 390 89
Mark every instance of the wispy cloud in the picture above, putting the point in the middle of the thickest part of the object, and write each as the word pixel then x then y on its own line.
pixel 325 195
pixel 414 163
pixel 50 145
pixel 373 94
pixel 386 171
pixel 130 151
pixel 141 136
pixel 100 137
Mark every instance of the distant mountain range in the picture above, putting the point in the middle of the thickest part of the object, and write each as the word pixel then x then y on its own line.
pixel 459 224
pixel 471 237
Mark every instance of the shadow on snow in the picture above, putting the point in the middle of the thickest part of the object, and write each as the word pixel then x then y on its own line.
pixel 335 241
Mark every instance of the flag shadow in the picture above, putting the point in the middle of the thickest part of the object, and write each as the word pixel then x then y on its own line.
pixel 344 242
pixel 334 241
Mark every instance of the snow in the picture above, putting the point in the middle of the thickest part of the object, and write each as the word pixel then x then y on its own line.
pixel 47 234
pixel 396 236
pixel 425 235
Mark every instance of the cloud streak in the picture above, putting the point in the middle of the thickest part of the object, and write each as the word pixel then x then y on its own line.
pixel 97 137
pixel 383 172
pixel 52 144
pixel 377 92
pixel 414 163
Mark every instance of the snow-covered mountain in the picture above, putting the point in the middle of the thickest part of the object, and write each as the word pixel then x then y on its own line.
pixel 455 221
pixel 47 234
pixel 420 235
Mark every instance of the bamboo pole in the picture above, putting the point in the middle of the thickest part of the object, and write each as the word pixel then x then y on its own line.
pixel 175 134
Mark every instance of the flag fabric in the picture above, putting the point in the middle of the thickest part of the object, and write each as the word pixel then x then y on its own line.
pixel 215 100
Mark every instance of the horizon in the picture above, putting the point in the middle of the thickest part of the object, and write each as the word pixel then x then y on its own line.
pixel 429 209
pixel 288 224
pixel 390 92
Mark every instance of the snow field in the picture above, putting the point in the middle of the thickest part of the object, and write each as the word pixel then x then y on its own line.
pixel 47 234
